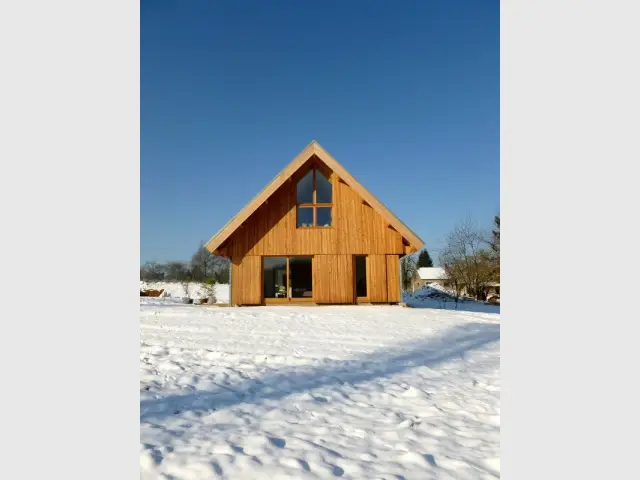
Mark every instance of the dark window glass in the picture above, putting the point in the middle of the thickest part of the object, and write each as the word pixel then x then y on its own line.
pixel 305 188
pixel 275 277
pixel 305 217
pixel 323 216
pixel 323 188
pixel 300 273
pixel 361 276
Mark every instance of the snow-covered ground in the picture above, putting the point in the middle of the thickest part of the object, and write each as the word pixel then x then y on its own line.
pixel 176 291
pixel 437 296
pixel 367 392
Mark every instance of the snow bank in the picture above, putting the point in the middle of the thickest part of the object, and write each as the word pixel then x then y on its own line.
pixel 175 290
pixel 434 295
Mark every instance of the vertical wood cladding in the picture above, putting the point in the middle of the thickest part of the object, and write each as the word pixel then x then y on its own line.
pixel 246 276
pixel 377 278
pixel 393 278
pixel 333 279
pixel 357 229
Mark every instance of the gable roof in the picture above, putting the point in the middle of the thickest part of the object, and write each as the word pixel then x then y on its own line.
pixel 310 150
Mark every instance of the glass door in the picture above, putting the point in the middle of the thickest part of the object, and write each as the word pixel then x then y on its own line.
pixel 275 280
pixel 287 279
pixel 301 283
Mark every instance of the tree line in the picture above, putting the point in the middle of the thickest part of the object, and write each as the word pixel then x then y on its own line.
pixel 203 267
pixel 470 259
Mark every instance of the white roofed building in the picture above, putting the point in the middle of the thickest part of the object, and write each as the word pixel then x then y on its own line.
pixel 426 275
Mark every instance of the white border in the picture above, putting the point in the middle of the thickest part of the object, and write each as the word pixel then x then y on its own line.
pixel 69 145
pixel 569 131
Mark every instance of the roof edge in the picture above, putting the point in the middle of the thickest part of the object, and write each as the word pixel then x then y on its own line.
pixel 313 148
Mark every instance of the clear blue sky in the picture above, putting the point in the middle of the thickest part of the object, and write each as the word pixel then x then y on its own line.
pixel 406 95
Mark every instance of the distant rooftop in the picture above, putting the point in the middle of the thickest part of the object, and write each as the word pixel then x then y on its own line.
pixel 432 273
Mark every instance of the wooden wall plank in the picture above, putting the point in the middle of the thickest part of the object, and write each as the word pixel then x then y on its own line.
pixel 333 279
pixel 377 278
pixel 343 286
pixel 247 280
pixel 321 274
pixel 393 278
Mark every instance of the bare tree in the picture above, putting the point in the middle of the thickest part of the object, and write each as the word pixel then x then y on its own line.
pixel 453 270
pixel 202 263
pixel 222 270
pixel 177 271
pixel 495 235
pixel 466 260
pixel 205 265
pixel 152 272
pixel 407 271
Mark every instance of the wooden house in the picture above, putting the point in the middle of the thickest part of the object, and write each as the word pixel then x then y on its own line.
pixel 314 235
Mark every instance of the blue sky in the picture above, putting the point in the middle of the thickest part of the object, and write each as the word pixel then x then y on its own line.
pixel 405 95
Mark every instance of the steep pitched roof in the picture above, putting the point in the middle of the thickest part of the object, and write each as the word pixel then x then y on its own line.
pixel 313 148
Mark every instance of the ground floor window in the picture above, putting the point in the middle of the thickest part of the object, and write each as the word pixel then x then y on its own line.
pixel 287 277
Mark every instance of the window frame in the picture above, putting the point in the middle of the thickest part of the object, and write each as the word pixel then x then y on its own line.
pixel 314 204
pixel 287 299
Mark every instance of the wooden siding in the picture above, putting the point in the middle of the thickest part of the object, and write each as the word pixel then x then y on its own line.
pixel 312 153
pixel 393 278
pixel 356 227
pixel 333 279
pixel 377 278
pixel 246 276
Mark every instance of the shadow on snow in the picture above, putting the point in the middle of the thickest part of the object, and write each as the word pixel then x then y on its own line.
pixel 429 352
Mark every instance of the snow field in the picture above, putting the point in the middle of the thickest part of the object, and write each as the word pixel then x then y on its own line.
pixel 318 392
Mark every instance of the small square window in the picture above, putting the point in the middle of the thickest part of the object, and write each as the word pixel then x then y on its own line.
pixel 304 217
pixel 323 216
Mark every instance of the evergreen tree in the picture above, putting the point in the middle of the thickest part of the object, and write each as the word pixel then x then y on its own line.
pixel 424 259
pixel 495 247
pixel 495 241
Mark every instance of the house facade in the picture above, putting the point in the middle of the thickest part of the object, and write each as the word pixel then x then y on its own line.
pixel 314 235
pixel 426 275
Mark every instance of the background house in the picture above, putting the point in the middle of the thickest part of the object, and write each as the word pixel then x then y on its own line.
pixel 425 275
pixel 491 290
